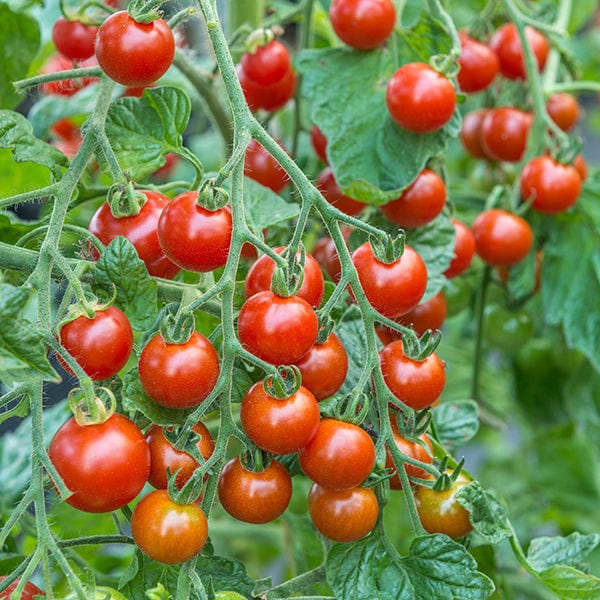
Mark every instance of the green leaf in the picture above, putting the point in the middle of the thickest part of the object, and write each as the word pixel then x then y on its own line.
pixel 486 514
pixel 570 584
pixel 226 573
pixel 144 573
pixel 351 331
pixel 456 422
pixel 19 43
pixel 120 266
pixel 546 552
pixel 13 299
pixel 264 208
pixel 143 130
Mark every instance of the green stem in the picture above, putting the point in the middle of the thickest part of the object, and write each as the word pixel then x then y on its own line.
pixel 561 22
pixel 478 316
pixel 22 84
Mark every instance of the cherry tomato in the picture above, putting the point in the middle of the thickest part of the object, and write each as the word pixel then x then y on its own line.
pixel 324 367
pixel 268 64
pixel 30 591
pixel 171 161
pixel 417 384
pixel 104 465
pixel 440 512
pixel 279 426
pixel 507 45
pixel 470 133
pixel 319 143
pixel 192 237
pixel 260 274
pixel 420 203
pixel 581 166
pixel 67 87
pixel 262 167
pixel 278 330
pixel 553 186
pixel 168 532
pixel 326 255
pixel 328 186
pixel 254 497
pixel 392 289
pixel 412 449
pixel 134 54
pixel 464 250
pixel 363 24
pixel 419 98
pixel 505 329
pixel 73 39
pixel 343 515
pixel 164 456
pixel 268 97
pixel 179 375
pixel 340 455
pixel 563 110
pixel 140 230
pixel 501 238
pixel 478 63
pixel 101 344
pixel 504 133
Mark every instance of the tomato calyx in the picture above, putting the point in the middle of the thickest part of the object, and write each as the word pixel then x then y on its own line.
pixel 145 11
pixel 387 249
pixel 212 197
pixel 177 324
pixel 288 279
pixel 284 383
pixel 418 349
pixel 92 410
pixel 255 460
pixel 261 37
pixel 447 477
pixel 124 200
pixel 353 408
pixel 446 64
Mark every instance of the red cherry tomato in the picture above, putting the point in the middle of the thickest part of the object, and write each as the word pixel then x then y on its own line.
pixel 319 143
pixel 363 24
pixel 269 97
pixel 417 384
pixel 419 98
pixel 134 54
pixel 328 186
pixel 164 456
pixel 343 515
pixel 324 367
pixel 421 202
pixel 501 238
pixel 563 110
pixel 278 330
pixel 101 344
pixel 412 449
pixel 262 167
pixel 268 64
pixel 67 87
pixel 470 133
pixel 179 375
pixel 507 45
pixel 581 166
pixel 479 65
pixel 30 591
pixel 553 186
pixel 260 274
pixel 392 289
pixel 140 230
pixel 168 532
pixel 504 133
pixel 326 255
pixel 73 39
pixel 339 456
pixel 104 465
pixel 254 497
pixel 464 250
pixel 192 237
pixel 279 426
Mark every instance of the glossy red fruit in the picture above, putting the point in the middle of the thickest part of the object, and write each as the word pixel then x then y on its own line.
pixel 417 384
pixel 563 110
pixel 326 255
pixel 270 97
pixel 260 274
pixel 470 133
pixel 464 250
pixel 30 591
pixel 504 133
pixel 479 65
pixel 268 64
pixel 324 367
pixel 328 186
pixel 419 98
pixel 420 203
pixel 392 289
pixel 581 166
pixel 278 330
pixel 73 39
pixel 319 143
pixel 501 238
pixel 554 187
pixel 101 345
pixel 363 24
pixel 262 167
pixel 422 451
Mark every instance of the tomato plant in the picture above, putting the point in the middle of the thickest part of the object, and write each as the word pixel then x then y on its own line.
pixel 30 591
pixel 504 133
pixel 332 193
pixel 73 39
pixel 420 449
pixel 262 167
pixel 479 65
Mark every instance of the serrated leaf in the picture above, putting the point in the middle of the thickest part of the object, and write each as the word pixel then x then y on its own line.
pixel 142 131
pixel 144 573
pixel 570 584
pixel 456 422
pixel 264 208
pixel 19 43
pixel 351 331
pixel 546 552
pixel 120 265
pixel 486 514
pixel 226 573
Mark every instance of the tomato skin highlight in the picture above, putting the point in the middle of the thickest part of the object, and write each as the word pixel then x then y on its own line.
pixel 104 465
pixel 193 237
pixel 343 515
pixel 101 345
pixel 464 250
pixel 168 532
pixel 254 497
pixel 131 53
pixel 340 455
pixel 413 449
pixel 73 39
pixel 278 330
